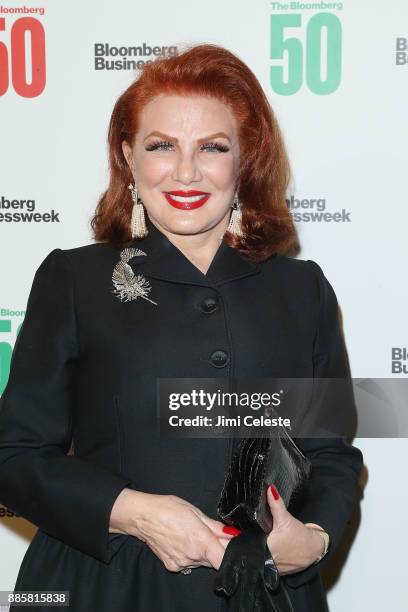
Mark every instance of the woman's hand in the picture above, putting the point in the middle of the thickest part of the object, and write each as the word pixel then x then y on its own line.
pixel 178 532
pixel 293 546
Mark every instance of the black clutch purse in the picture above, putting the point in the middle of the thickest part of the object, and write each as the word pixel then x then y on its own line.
pixel 248 575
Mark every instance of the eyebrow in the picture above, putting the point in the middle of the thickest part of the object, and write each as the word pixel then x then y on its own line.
pixel 199 140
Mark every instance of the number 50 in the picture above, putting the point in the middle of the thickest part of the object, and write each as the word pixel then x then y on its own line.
pixel 18 52
pixel 294 50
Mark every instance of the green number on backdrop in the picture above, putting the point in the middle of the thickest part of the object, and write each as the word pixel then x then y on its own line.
pixel 6 351
pixel 333 53
pixel 5 359
pixel 293 47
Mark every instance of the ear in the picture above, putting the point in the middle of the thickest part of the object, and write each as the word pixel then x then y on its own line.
pixel 127 152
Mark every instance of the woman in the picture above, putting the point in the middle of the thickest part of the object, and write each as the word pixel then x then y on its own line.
pixel 177 286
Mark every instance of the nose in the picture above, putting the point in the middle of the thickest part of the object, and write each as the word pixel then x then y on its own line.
pixel 186 168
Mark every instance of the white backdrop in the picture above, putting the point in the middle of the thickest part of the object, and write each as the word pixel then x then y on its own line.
pixel 344 123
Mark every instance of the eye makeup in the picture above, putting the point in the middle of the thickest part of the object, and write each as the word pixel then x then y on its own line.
pixel 164 145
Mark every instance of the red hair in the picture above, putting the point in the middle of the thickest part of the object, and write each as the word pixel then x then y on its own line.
pixel 264 174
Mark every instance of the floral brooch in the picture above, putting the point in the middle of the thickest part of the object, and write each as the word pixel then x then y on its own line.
pixel 127 285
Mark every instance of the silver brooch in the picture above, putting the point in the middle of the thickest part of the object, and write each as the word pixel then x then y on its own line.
pixel 128 286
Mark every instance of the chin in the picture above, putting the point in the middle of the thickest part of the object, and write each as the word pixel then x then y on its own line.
pixel 187 224
pixel 189 228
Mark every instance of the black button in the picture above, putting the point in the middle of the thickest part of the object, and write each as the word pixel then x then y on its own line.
pixel 209 304
pixel 219 359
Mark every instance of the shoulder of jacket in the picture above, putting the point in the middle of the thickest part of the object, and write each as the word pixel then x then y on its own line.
pixel 288 264
pixel 89 250
pixel 96 253
pixel 87 258
pixel 299 277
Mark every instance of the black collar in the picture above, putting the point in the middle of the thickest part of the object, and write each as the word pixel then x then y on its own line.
pixel 165 261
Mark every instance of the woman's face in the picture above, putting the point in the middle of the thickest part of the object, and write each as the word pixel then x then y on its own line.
pixel 186 144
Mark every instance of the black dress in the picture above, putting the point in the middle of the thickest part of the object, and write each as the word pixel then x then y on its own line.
pixel 84 372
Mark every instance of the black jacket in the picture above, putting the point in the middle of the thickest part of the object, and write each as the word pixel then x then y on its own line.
pixel 84 371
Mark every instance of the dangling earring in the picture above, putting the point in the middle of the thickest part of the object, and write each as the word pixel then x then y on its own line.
pixel 236 218
pixel 137 222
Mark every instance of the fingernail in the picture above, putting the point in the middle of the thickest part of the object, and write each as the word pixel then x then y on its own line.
pixel 274 491
pixel 231 530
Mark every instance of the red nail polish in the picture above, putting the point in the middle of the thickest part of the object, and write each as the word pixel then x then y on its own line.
pixel 274 492
pixel 231 530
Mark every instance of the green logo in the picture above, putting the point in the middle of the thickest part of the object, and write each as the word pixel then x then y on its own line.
pixel 317 61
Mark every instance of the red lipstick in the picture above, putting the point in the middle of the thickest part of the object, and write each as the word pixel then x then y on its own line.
pixel 186 200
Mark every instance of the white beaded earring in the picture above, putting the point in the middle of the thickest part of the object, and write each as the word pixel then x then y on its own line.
pixel 138 222
pixel 236 217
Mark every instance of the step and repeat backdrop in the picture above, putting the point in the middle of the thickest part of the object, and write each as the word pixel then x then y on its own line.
pixel 336 75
